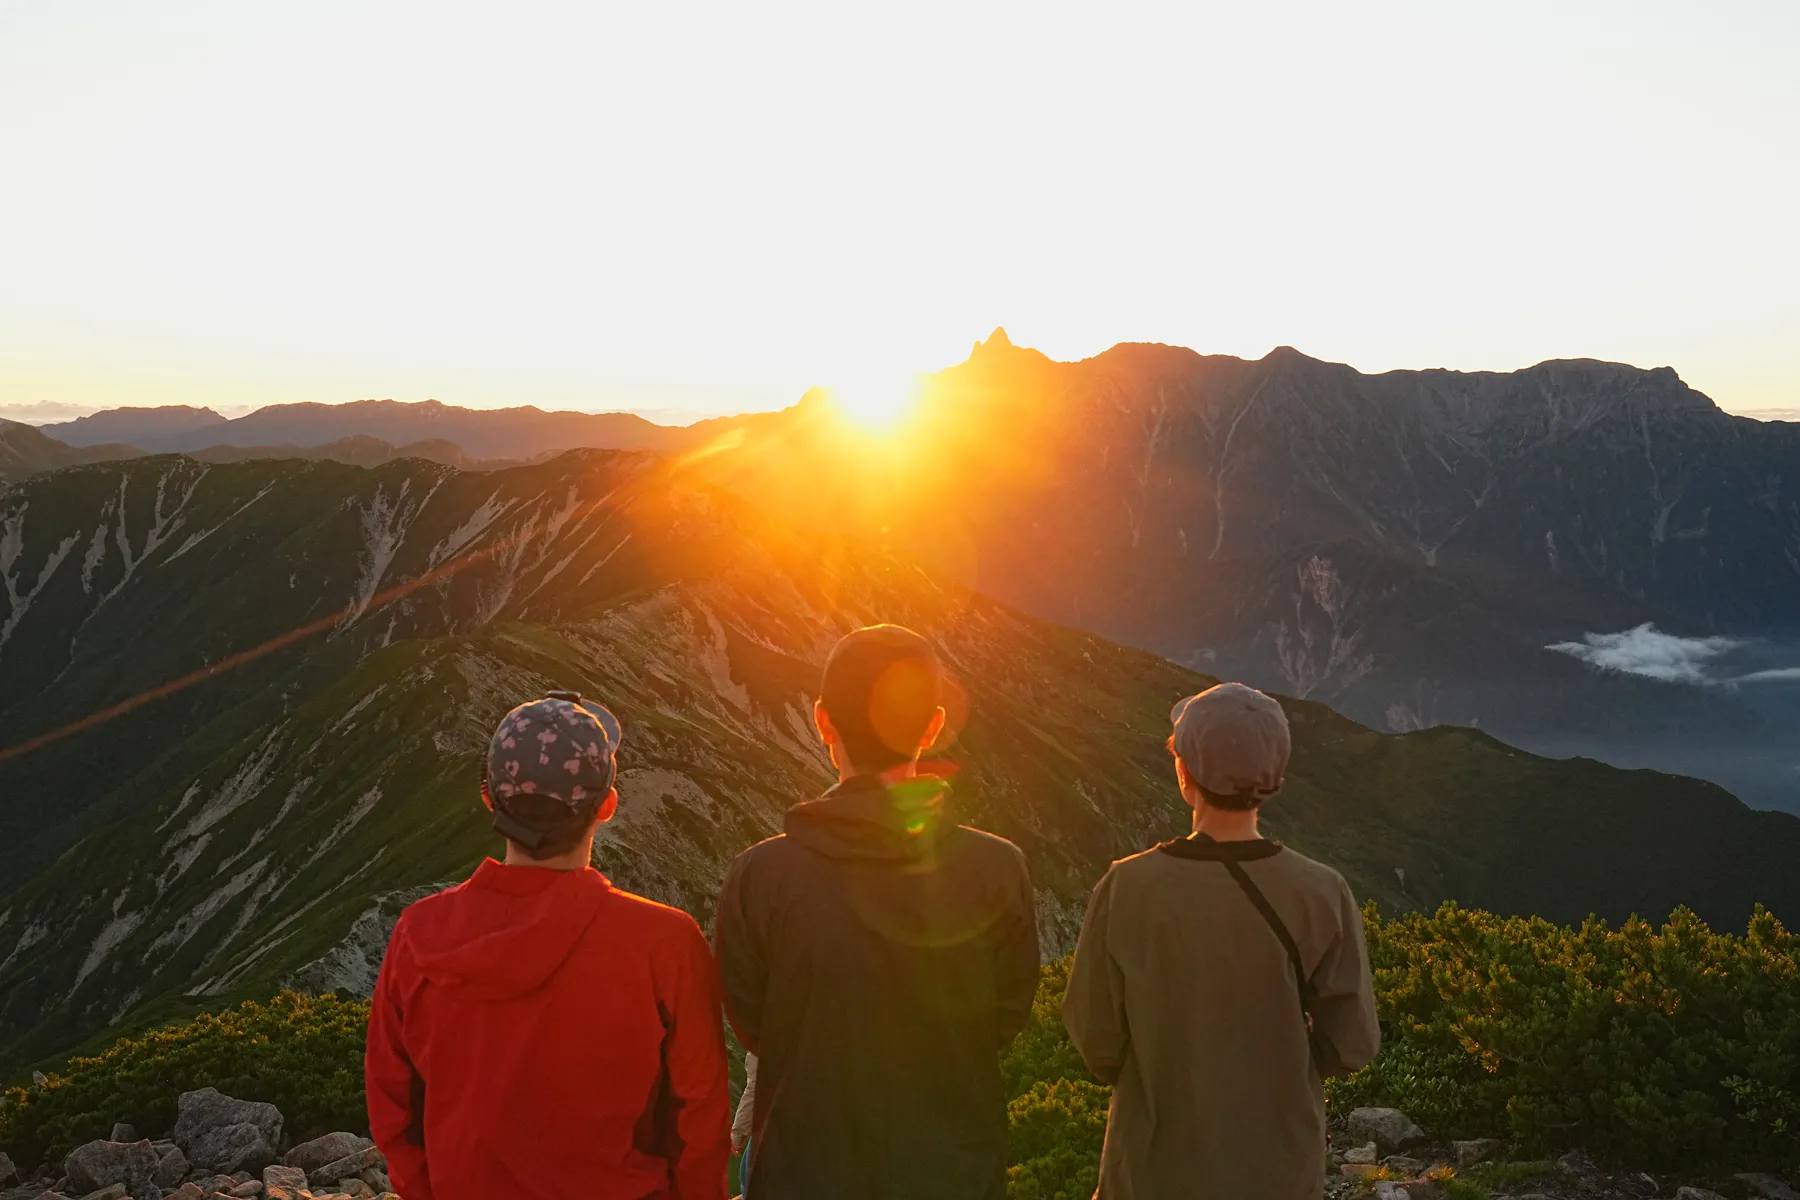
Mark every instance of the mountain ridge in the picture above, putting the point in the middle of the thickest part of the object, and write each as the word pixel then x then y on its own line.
pixel 252 829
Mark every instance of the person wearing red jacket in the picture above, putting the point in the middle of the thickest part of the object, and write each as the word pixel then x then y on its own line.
pixel 536 1033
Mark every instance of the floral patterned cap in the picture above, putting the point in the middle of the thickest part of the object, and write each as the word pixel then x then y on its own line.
pixel 560 746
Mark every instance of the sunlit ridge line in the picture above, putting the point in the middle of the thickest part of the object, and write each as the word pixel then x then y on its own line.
pixel 281 641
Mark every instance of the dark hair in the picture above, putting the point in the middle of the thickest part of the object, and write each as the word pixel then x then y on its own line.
pixel 1240 802
pixel 563 827
pixel 881 688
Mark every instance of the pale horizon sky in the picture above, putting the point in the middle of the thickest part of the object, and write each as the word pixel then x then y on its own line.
pixel 702 209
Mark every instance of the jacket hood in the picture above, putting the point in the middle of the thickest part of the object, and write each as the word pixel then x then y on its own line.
pixel 863 817
pixel 510 929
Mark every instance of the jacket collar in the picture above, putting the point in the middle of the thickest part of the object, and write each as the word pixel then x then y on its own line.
pixel 1200 846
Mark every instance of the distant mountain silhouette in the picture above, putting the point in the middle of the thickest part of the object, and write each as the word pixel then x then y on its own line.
pixel 507 433
pixel 143 427
pixel 27 451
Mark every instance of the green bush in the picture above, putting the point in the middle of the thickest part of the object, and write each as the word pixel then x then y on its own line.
pixel 1656 1048
pixel 302 1054
pixel 1054 1133
pixel 1663 1048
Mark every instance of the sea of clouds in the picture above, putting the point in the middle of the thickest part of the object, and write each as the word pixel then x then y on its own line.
pixel 1673 658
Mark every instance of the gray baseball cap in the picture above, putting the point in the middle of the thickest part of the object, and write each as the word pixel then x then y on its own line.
pixel 1233 740
pixel 561 746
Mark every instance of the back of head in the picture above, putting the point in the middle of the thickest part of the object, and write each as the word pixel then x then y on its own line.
pixel 882 688
pixel 550 767
pixel 1234 742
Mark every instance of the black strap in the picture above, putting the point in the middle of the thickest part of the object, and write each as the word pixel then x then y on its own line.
pixel 1302 985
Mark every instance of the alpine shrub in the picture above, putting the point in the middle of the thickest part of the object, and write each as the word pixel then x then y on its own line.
pixel 302 1054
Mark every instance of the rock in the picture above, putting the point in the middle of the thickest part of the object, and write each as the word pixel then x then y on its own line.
pixel 100 1164
pixel 208 1109
pixel 378 1179
pixel 8 1172
pixel 248 1189
pixel 1475 1150
pixel 171 1167
pixel 1694 1193
pixel 1365 1153
pixel 115 1192
pixel 1766 1187
pixel 1387 1189
pixel 38 1079
pixel 232 1148
pixel 124 1132
pixel 356 1189
pixel 291 1178
pixel 310 1156
pixel 1408 1167
pixel 1576 1162
pixel 348 1166
pixel 188 1191
pixel 1358 1170
pixel 1390 1128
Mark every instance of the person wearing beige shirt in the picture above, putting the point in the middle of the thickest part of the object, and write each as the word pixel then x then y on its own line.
pixel 1218 979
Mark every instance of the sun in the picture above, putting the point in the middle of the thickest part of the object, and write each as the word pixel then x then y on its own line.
pixel 877 404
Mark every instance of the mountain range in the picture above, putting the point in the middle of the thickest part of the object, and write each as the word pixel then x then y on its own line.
pixel 245 798
pixel 1581 557
pixel 506 433
pixel 247 686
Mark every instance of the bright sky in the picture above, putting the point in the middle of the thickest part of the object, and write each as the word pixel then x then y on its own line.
pixel 705 208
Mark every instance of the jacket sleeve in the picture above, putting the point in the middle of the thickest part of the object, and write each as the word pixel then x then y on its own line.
pixel 740 1124
pixel 699 1079
pixel 1344 994
pixel 1094 1006
pixel 1016 971
pixel 743 967
pixel 393 1086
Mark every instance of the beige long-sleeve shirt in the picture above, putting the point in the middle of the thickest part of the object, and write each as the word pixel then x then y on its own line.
pixel 1183 998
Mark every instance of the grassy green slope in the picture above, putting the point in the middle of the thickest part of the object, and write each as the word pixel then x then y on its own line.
pixel 293 830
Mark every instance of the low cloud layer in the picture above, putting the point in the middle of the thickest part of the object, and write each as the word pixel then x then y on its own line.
pixel 1648 652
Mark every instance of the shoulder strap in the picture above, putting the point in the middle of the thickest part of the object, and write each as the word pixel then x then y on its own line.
pixel 1273 919
pixel 1323 1056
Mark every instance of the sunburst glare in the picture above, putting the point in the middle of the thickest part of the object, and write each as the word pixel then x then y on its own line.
pixel 877 403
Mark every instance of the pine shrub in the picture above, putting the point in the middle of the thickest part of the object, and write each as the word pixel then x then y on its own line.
pixel 1653 1048
pixel 302 1054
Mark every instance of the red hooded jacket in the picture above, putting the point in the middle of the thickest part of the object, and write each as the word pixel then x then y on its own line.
pixel 537 1034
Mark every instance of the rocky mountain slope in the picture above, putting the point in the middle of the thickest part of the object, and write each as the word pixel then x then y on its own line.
pixel 1407 546
pixel 341 640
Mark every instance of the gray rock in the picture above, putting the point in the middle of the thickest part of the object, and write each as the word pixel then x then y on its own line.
pixel 38 1079
pixel 124 1132
pixel 1408 1167
pixel 100 1164
pixel 114 1192
pixel 171 1167
pixel 1362 1154
pixel 1475 1150
pixel 1576 1162
pixel 8 1172
pixel 310 1156
pixel 209 1109
pixel 1694 1193
pixel 348 1167
pixel 1766 1187
pixel 378 1179
pixel 1390 1128
pixel 291 1178
pixel 232 1148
